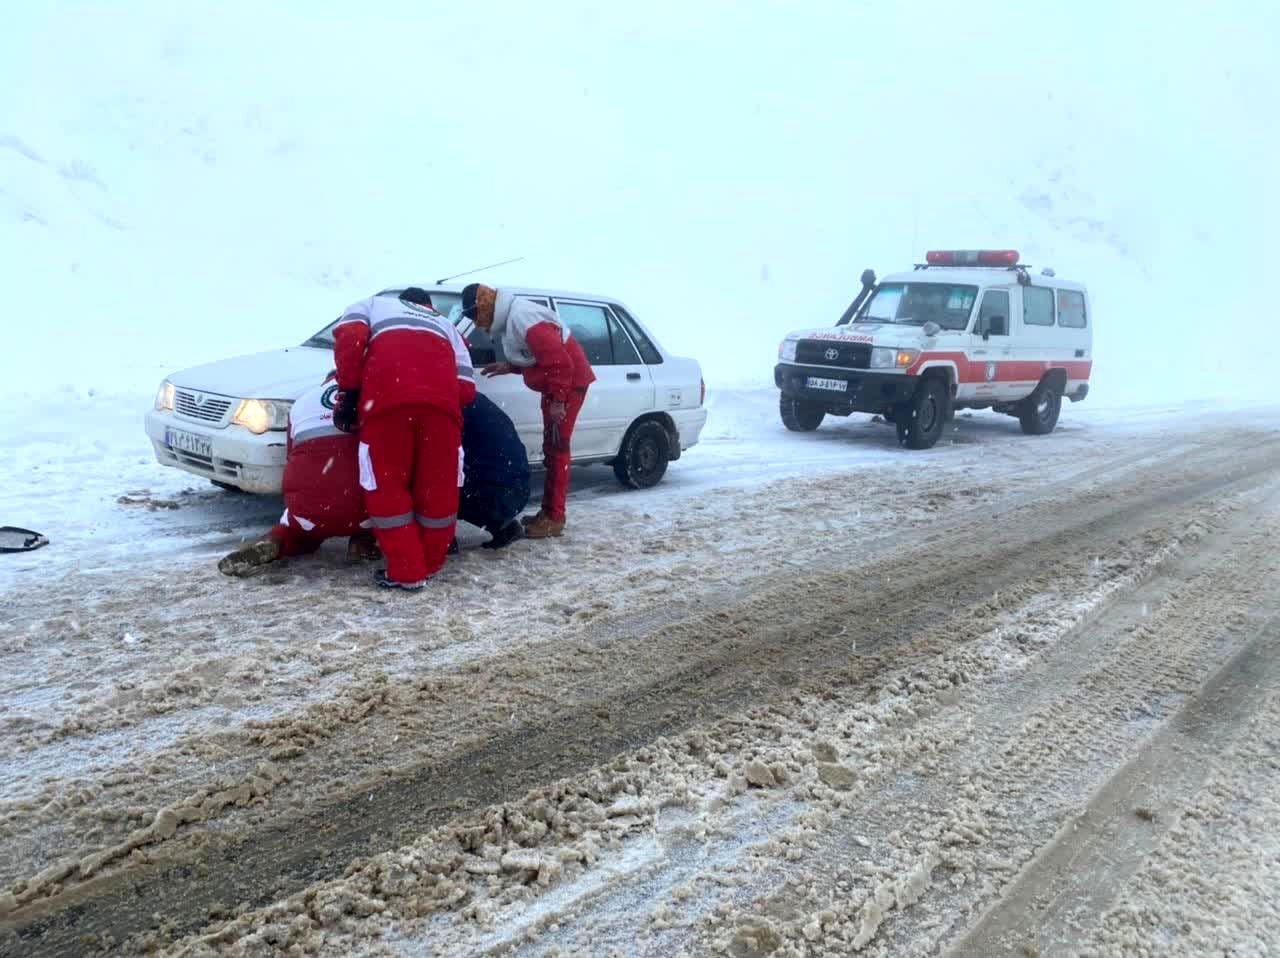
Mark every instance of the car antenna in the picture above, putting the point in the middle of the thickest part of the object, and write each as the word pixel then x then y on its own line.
pixel 481 269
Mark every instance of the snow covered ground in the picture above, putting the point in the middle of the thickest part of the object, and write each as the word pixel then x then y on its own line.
pixel 797 699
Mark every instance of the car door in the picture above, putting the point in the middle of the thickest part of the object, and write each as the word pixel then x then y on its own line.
pixel 623 389
pixel 517 400
pixel 989 347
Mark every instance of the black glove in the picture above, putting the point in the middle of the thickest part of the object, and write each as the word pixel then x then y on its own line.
pixel 346 410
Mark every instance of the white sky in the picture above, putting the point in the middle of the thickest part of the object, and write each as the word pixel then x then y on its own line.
pixel 200 180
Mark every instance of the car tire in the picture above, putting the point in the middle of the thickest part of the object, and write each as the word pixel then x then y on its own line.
pixel 1038 413
pixel 642 460
pixel 920 420
pixel 800 415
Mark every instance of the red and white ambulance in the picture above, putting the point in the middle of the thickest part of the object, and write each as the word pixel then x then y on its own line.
pixel 966 329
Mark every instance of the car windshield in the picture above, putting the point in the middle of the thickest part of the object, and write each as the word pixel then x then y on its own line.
pixel 946 304
pixel 443 303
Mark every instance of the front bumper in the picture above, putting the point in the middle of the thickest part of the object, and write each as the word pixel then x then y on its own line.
pixel 868 390
pixel 238 457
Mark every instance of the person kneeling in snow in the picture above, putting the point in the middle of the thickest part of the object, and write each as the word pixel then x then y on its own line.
pixel 322 496
pixel 496 469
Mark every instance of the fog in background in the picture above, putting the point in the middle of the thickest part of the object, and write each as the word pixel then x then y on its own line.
pixel 181 183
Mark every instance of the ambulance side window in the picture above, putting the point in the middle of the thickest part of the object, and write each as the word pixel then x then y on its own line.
pixel 1037 306
pixel 993 316
pixel 1071 312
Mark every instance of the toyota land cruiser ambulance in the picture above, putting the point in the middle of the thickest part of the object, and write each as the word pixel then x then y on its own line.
pixel 967 329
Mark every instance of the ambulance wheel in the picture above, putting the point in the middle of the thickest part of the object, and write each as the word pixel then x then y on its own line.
pixel 1038 413
pixel 919 422
pixel 799 415
pixel 642 460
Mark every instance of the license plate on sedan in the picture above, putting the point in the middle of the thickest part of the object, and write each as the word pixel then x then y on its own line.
pixel 835 385
pixel 189 443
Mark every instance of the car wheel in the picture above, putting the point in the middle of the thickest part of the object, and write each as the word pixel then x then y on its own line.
pixel 642 460
pixel 920 421
pixel 800 415
pixel 1038 413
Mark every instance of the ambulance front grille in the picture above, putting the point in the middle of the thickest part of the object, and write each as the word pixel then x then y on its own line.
pixel 200 406
pixel 825 352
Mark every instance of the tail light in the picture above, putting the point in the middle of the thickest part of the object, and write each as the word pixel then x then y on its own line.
pixel 972 257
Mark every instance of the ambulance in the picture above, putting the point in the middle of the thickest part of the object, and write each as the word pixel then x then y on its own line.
pixel 966 329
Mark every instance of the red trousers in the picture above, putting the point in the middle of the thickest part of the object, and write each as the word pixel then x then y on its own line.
pixel 556 453
pixel 409 458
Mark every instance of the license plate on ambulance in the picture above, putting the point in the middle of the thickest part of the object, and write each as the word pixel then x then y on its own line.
pixel 835 385
pixel 189 443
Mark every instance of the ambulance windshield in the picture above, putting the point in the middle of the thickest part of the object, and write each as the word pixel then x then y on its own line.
pixel 915 304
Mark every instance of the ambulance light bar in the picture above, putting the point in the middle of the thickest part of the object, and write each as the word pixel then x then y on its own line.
pixel 972 257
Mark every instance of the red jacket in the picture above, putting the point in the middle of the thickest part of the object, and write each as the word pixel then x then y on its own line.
pixel 560 364
pixel 399 354
pixel 322 473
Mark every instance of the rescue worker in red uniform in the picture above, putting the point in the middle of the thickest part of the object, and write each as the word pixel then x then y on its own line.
pixel 537 344
pixel 405 376
pixel 321 490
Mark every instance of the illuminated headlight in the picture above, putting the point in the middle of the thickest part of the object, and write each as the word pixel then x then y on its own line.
pixel 884 358
pixel 787 350
pixel 164 397
pixel 262 415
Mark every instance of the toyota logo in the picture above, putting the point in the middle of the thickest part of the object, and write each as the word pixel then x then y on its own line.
pixel 832 354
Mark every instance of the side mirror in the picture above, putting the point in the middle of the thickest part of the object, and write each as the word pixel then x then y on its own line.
pixel 983 327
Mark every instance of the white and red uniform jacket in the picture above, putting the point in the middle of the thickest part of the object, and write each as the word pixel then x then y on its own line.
pixel 400 354
pixel 536 342
pixel 322 494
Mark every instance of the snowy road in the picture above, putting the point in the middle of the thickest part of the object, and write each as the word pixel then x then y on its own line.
pixel 812 695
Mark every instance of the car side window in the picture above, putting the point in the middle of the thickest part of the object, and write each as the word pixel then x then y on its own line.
pixel 590 327
pixel 993 315
pixel 1071 311
pixel 624 351
pixel 648 352
pixel 1037 306
pixel 482 347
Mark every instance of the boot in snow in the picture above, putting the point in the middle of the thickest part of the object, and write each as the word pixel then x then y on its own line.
pixel 250 559
pixel 381 579
pixel 544 527
pixel 526 521
pixel 505 535
pixel 363 547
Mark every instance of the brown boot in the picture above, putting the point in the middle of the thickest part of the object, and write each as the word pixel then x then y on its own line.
pixel 363 547
pixel 252 557
pixel 527 521
pixel 544 527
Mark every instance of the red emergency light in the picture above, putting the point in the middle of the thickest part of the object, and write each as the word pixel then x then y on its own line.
pixel 972 257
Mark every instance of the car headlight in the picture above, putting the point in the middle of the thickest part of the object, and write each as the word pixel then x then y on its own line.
pixel 164 397
pixel 262 415
pixel 884 357
pixel 787 350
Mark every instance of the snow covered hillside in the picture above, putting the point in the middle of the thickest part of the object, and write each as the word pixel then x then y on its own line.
pixel 179 184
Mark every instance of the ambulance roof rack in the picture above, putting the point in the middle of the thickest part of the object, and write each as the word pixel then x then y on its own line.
pixel 977 259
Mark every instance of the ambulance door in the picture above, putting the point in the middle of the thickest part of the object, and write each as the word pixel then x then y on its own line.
pixel 1039 343
pixel 989 347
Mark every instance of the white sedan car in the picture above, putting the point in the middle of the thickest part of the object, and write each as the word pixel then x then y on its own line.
pixel 226 421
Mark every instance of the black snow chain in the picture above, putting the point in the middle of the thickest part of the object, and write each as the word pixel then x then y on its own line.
pixel 13 539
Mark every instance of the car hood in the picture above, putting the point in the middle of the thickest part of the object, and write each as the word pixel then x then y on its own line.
pixel 879 334
pixel 277 374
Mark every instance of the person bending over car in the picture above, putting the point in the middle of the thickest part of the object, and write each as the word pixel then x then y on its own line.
pixel 495 465
pixel 405 376
pixel 536 342
pixel 322 497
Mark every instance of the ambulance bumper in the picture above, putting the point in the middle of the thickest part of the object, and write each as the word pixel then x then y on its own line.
pixel 864 390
